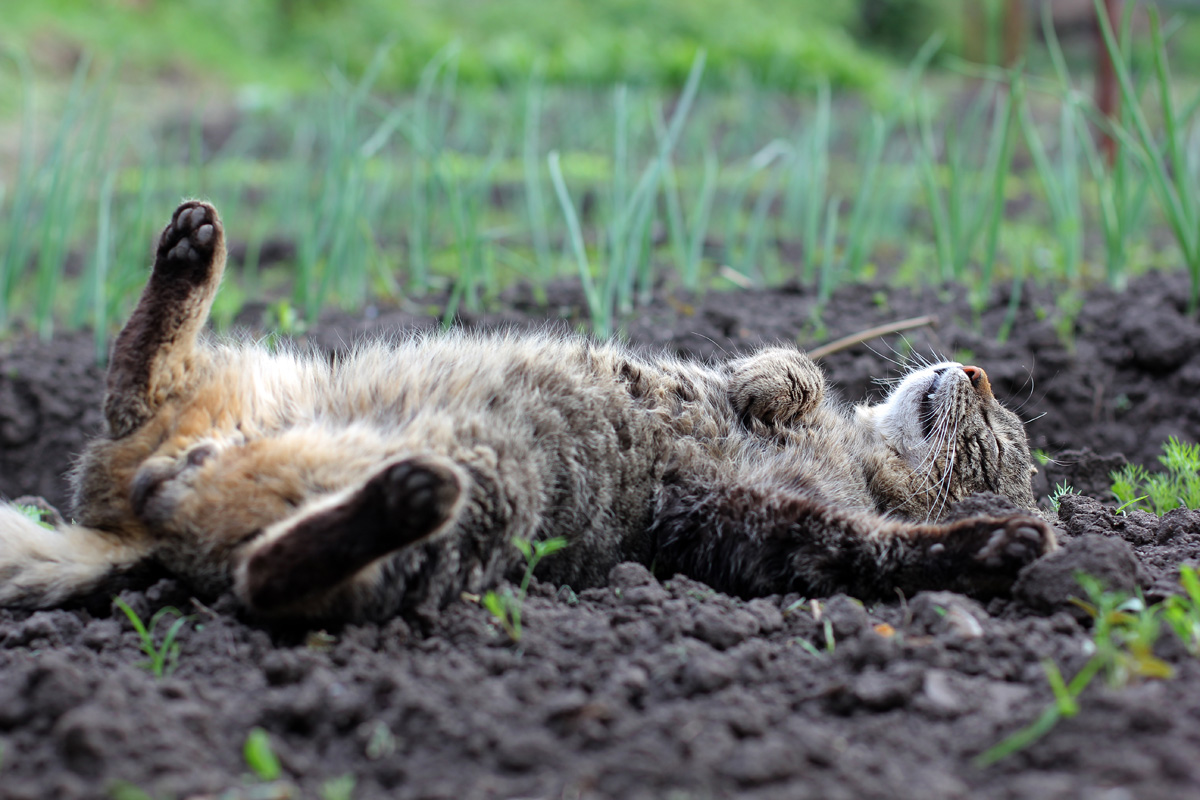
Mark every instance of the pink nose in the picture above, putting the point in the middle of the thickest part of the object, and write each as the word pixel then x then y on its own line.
pixel 979 380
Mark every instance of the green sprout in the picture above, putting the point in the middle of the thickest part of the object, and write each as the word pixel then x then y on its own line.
pixel 339 788
pixel 1124 630
pixel 163 657
pixel 260 756
pixel 505 606
pixel 124 790
pixel 1182 612
pixel 1061 490
pixel 35 514
pixel 1159 492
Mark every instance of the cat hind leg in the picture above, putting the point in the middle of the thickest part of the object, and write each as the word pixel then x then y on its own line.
pixel 295 562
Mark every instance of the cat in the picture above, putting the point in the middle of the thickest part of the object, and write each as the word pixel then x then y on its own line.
pixel 396 477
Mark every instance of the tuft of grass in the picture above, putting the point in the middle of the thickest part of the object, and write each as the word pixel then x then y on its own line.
pixel 1182 612
pixel 163 657
pixel 505 606
pixel 1060 491
pixel 124 790
pixel 1124 630
pixel 260 755
pixel 1170 167
pixel 1159 492
pixel 339 788
pixel 34 513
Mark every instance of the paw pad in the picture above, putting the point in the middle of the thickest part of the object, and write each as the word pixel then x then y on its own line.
pixel 192 236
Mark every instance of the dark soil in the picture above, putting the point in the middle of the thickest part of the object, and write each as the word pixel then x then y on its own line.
pixel 648 688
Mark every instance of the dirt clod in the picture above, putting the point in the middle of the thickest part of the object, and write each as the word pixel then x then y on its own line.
pixel 1048 585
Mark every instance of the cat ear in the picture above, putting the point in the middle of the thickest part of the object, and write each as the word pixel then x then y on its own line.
pixel 152 351
pixel 297 560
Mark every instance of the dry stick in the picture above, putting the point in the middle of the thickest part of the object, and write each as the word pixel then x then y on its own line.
pixel 871 333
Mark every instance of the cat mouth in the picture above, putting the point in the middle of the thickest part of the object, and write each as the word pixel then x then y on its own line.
pixel 929 406
pixel 927 413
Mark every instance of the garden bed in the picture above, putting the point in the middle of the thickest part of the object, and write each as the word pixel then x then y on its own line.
pixel 647 688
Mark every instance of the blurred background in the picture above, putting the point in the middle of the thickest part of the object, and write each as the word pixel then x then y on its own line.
pixel 441 151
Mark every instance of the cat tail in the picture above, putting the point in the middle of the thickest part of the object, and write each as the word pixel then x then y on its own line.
pixel 43 566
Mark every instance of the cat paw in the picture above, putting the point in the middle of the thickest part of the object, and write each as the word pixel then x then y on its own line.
pixel 1015 542
pixel 190 241
pixel 297 561
pixel 423 493
pixel 162 481
pixel 775 386
pixel 982 555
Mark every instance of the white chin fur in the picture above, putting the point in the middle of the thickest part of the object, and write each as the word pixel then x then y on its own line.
pixel 923 392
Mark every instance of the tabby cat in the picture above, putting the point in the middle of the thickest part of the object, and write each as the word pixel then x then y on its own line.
pixel 397 476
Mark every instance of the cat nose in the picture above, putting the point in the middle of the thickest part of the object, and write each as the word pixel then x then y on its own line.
pixel 979 380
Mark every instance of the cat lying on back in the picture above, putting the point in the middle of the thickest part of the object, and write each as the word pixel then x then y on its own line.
pixel 398 475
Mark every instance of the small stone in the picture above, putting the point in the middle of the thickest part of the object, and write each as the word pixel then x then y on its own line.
pixel 629 574
pixel 723 628
pixel 846 616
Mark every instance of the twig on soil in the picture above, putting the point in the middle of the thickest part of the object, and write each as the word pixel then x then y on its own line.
pixel 871 333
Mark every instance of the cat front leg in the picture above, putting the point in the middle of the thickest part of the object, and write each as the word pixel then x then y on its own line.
pixel 775 386
pixel 753 542
pixel 155 349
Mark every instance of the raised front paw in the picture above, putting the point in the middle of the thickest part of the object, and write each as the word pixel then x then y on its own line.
pixel 775 386
pixel 190 242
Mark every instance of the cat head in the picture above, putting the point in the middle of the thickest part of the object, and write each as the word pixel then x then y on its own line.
pixel 947 436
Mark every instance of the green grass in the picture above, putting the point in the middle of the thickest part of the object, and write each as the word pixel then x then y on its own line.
pixel 289 44
pixel 505 605
pixel 459 187
pixel 1178 486
pixel 260 755
pixel 1124 631
pixel 162 656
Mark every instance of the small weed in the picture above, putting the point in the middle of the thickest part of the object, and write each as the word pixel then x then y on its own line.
pixel 1158 493
pixel 827 627
pixel 808 646
pixel 1041 456
pixel 1182 612
pixel 1124 630
pixel 504 605
pixel 382 742
pixel 1060 491
pixel 163 657
pixel 35 514
pixel 260 756
pixel 124 790
pixel 321 641
pixel 339 788
pixel 794 606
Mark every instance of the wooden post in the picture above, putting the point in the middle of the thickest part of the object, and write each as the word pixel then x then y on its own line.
pixel 1016 27
pixel 1107 97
